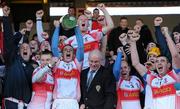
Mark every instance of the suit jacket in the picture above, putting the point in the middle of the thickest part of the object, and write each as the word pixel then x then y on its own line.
pixel 102 91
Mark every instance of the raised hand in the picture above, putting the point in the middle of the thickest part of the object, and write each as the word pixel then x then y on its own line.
pixel 137 28
pixel 164 30
pixel 23 31
pixel 158 21
pixel 45 35
pixel 133 36
pixel 150 65
pixel 6 11
pixel 82 106
pixel 101 6
pixel 39 13
pixel 56 23
pixel 88 14
pixel 123 37
pixel 29 25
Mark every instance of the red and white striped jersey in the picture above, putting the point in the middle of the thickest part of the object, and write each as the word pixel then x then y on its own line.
pixel 163 91
pixel 148 93
pixel 67 80
pixel 128 93
pixel 42 89
pixel 91 42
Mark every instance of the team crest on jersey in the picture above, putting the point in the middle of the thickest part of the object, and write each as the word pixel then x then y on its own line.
pixel 98 88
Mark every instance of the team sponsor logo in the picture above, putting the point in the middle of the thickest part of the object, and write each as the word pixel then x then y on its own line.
pixel 163 91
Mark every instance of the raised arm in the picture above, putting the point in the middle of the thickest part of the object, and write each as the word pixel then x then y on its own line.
pixel 9 46
pixel 88 14
pixel 80 48
pixel 160 38
pixel 172 47
pixel 8 33
pixel 134 55
pixel 55 39
pixel 39 26
pixel 117 65
pixel 109 21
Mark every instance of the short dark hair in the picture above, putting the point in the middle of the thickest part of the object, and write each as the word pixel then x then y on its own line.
pixel 165 57
pixel 140 20
pixel 71 7
pixel 34 35
pixel 46 52
pixel 123 17
pixel 175 29
pixel 68 45
pixel 95 10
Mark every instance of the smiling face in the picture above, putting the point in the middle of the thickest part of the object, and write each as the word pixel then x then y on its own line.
pixel 94 62
pixel 125 70
pixel 95 58
pixel 68 53
pixel 25 51
pixel 162 65
pixel 83 23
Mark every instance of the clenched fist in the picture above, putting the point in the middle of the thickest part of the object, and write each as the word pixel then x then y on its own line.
pixel 158 21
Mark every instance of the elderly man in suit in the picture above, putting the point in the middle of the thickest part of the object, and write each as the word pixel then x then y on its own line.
pixel 98 86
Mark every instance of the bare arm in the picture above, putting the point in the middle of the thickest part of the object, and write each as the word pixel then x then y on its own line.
pixel 135 58
pixel 109 21
pixel 172 47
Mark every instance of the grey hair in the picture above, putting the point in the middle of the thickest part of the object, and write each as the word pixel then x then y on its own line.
pixel 98 53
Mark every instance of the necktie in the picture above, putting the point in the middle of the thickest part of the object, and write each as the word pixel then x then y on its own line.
pixel 90 79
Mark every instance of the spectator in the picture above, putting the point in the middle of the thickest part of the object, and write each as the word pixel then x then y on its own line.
pixel 144 32
pixel 91 38
pixel 98 86
pixel 95 24
pixel 113 40
pixel 18 72
pixel 71 16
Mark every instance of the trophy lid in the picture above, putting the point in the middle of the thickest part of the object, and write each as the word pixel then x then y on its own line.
pixel 68 21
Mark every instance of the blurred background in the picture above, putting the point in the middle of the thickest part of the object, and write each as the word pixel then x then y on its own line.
pixel 21 10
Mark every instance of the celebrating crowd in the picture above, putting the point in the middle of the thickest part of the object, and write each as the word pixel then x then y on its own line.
pixel 89 64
